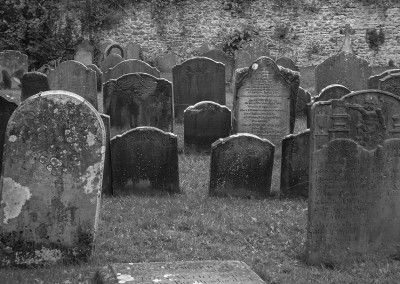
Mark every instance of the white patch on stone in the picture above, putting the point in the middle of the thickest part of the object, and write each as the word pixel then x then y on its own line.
pixel 90 139
pixel 254 66
pixel 156 280
pixel 12 138
pixel 122 278
pixel 92 172
pixel 14 196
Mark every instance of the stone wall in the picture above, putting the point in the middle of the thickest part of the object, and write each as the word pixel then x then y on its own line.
pixel 311 30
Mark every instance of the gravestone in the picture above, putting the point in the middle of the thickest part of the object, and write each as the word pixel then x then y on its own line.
pixel 303 99
pixel 74 77
pixel 145 160
pixel 286 62
pixel 130 66
pixel 249 53
pixel 373 81
pixel 265 100
pixel 295 164
pixel 33 83
pixel 7 107
pixel 51 180
pixel 138 99
pixel 107 173
pixel 195 80
pixel 220 56
pixel 390 83
pixel 132 50
pixel 354 197
pixel 99 86
pixel 204 123
pixel 165 63
pixel 241 166
pixel 110 61
pixel 84 53
pixel 200 272
pixel 13 65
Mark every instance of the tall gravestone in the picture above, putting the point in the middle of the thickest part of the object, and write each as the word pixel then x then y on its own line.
pixel 286 62
pixel 138 99
pixel 7 107
pixel 145 160
pixel 33 83
pixel 13 65
pixel 110 61
pixel 165 63
pixel 130 66
pixel 390 83
pixel 74 77
pixel 250 52
pixel 265 100
pixel 132 50
pixel 195 80
pixel 84 52
pixel 204 123
pixel 354 197
pixel 373 81
pixel 220 56
pixel 241 165
pixel 51 180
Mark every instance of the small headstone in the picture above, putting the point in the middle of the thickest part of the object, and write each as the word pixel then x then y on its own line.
pixel 373 81
pixel 7 108
pixel 84 53
pixel 241 166
pixel 286 62
pixel 107 173
pixel 33 83
pixel 220 56
pixel 265 100
pixel 354 197
pixel 74 77
pixel 138 99
pixel 13 65
pixel 130 66
pixel 110 61
pixel 132 50
pixel 390 83
pixel 295 164
pixel 195 80
pixel 303 99
pixel 51 180
pixel 200 272
pixel 145 160
pixel 249 53
pixel 165 63
pixel 205 123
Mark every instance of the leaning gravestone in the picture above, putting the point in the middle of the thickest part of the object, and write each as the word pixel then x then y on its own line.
pixel 286 62
pixel 84 52
pixel 165 63
pixel 295 164
pixel 51 180
pixel 74 77
pixel 33 83
pixel 138 99
pixel 373 81
pixel 195 80
pixel 354 197
pixel 130 66
pixel 390 83
pixel 220 56
pixel 303 99
pixel 204 123
pixel 241 166
pixel 249 53
pixel 7 107
pixel 145 160
pixel 110 61
pixel 13 65
pixel 107 173
pixel 200 272
pixel 132 50
pixel 265 100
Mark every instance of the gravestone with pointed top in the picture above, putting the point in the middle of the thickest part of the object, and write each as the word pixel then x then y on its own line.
pixel 130 66
pixel 373 81
pixel 220 56
pixel 33 83
pixel 132 50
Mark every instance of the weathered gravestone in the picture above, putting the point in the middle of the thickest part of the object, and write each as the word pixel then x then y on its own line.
pixel 390 83
pixel 107 173
pixel 33 83
pixel 132 50
pixel 74 77
pixel 110 61
pixel 204 123
pixel 354 196
pixel 138 99
pixel 265 100
pixel 241 166
pixel 220 56
pixel 295 164
pixel 130 66
pixel 286 62
pixel 99 76
pixel 303 99
pixel 7 107
pixel 51 180
pixel 249 53
pixel 195 80
pixel 373 81
pixel 165 63
pixel 84 52
pixel 13 65
pixel 145 160
pixel 200 272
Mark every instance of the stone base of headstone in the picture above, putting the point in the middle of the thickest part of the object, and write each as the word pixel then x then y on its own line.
pixel 204 272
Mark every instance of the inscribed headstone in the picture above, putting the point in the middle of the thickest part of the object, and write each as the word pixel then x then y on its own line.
pixel 33 83
pixel 391 83
pixel 130 66
pixel 354 197
pixel 7 107
pixel 200 272
pixel 165 63
pixel 107 173
pixel 84 52
pixel 249 53
pixel 303 99
pixel 74 77
pixel 144 160
pixel 138 99
pixel 51 180
pixel 265 100
pixel 195 80
pixel 295 164
pixel 241 165
pixel 205 123
pixel 286 62
pixel 132 50
pixel 13 65
pixel 220 56
pixel 110 61
pixel 373 81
